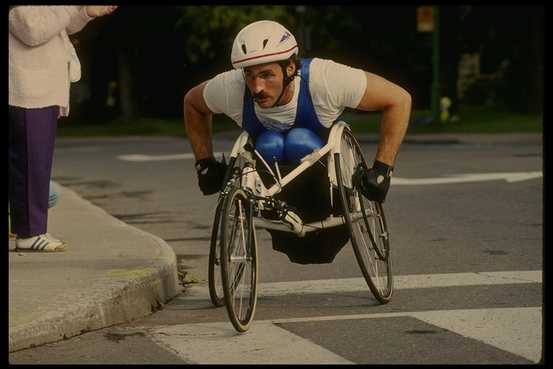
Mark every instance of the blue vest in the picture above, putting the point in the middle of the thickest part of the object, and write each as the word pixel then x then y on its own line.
pixel 305 114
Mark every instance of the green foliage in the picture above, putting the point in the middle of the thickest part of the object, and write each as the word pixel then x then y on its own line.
pixel 208 29
pixel 472 119
pixel 343 24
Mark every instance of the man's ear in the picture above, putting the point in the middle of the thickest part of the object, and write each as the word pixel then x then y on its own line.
pixel 290 69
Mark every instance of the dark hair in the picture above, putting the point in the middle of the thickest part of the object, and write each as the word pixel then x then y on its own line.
pixel 284 63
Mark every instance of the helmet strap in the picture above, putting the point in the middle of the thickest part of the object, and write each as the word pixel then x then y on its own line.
pixel 285 82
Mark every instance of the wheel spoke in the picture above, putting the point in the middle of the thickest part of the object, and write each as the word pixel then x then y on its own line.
pixel 369 235
pixel 239 261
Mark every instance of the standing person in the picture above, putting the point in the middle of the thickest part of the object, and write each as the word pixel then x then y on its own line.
pixel 272 90
pixel 42 64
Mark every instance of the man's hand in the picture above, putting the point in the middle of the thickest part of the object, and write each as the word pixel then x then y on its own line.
pixel 373 183
pixel 211 174
pixel 99 10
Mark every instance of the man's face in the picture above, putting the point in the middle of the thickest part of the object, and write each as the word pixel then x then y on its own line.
pixel 264 82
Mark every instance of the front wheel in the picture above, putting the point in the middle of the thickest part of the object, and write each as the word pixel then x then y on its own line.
pixel 214 264
pixel 366 222
pixel 239 258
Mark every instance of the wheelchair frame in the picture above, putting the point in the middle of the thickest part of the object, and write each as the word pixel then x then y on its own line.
pixel 254 197
pixel 252 181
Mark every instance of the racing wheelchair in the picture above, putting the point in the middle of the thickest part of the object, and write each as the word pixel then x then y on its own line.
pixel 247 204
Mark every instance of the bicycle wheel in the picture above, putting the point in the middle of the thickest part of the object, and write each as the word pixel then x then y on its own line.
pixel 239 258
pixel 366 222
pixel 214 268
pixel 214 264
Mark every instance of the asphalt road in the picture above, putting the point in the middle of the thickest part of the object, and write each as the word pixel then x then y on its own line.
pixel 467 256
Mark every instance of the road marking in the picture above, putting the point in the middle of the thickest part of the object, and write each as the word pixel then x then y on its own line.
pixel 140 157
pixel 219 343
pixel 469 177
pixel 330 286
pixel 516 330
pixel 398 181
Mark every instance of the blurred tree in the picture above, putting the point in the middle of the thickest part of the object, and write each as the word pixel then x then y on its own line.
pixel 380 39
pixel 151 55
pixel 332 42
pixel 509 40
pixel 211 29
pixel 134 64
pixel 450 53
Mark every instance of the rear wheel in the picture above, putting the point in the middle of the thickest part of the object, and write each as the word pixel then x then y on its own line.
pixel 239 258
pixel 366 222
pixel 214 269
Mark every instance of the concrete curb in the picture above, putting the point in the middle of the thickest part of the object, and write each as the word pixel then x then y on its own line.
pixel 119 296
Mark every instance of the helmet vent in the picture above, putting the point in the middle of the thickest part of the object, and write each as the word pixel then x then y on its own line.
pixel 244 48
pixel 265 42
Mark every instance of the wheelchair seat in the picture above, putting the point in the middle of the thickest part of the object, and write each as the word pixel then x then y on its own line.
pixel 309 196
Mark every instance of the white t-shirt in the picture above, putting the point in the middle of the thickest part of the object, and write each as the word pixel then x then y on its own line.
pixel 333 87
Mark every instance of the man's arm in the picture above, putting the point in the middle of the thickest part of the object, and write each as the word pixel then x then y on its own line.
pixel 198 122
pixel 395 104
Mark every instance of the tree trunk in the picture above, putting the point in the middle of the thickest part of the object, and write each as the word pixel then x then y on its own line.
pixel 125 86
pixel 536 101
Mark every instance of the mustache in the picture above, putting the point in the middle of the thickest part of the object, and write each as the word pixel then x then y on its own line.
pixel 259 95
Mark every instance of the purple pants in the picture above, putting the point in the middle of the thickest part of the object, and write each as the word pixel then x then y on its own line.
pixel 32 133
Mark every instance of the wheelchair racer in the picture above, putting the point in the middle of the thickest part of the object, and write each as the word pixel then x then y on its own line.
pixel 281 99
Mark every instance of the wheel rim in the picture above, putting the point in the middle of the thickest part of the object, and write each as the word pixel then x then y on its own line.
pixel 216 291
pixel 239 264
pixel 373 245
pixel 368 227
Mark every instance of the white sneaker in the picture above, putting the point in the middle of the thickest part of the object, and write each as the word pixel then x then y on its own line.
pixel 41 243
pixel 53 239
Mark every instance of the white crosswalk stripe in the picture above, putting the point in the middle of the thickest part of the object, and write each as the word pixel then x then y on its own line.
pixel 400 282
pixel 515 330
pixel 264 343
pixel 141 157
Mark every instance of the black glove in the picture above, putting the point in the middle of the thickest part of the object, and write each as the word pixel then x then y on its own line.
pixel 373 183
pixel 211 174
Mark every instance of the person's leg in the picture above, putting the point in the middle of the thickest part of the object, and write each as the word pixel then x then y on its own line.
pixel 31 147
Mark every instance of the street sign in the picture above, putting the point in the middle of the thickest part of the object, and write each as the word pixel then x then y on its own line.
pixel 425 19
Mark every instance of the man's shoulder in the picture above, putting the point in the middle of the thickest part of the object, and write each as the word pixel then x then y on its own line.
pixel 224 93
pixel 227 82
pixel 319 63
pixel 324 68
pixel 229 76
pixel 321 69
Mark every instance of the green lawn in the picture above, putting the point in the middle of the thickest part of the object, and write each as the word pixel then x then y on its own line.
pixel 472 120
pixel 139 127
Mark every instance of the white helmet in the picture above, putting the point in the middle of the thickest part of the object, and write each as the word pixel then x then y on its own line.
pixel 262 42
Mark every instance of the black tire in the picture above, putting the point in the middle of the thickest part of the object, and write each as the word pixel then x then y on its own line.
pixel 369 233
pixel 214 269
pixel 214 264
pixel 239 262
